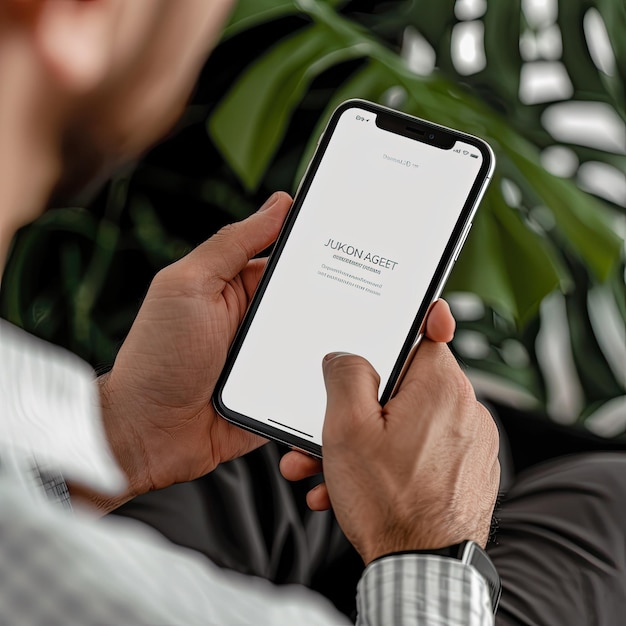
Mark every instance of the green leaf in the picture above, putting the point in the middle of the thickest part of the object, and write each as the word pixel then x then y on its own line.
pixel 434 20
pixel 583 73
pixel 250 13
pixel 528 267
pixel 26 248
pixel 505 264
pixel 251 120
pixel 502 33
pixel 581 218
pixel 614 15
pixel 595 374
pixel 368 83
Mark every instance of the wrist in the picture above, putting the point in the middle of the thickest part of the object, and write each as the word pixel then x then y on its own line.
pixel 123 439
pixel 426 540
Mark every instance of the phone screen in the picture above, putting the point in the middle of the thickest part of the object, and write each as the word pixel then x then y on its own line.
pixel 369 236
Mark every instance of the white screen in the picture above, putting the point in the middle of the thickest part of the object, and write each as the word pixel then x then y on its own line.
pixel 354 271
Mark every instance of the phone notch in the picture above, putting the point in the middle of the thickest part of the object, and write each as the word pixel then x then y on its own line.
pixel 416 129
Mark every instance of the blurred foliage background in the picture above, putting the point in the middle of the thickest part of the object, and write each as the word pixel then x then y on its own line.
pixel 539 288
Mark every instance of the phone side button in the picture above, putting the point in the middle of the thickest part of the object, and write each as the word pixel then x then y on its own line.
pixel 462 241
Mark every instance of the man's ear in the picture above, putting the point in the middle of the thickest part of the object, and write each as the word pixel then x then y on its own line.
pixel 74 39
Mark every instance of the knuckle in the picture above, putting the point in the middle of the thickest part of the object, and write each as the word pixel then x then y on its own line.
pixel 463 395
pixel 230 237
pixel 232 247
pixel 489 435
pixel 345 363
pixel 489 427
pixel 497 471
pixel 179 277
pixel 226 232
pixel 349 368
pixel 465 390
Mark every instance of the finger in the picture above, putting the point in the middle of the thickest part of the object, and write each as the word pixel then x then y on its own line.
pixel 352 396
pixel 236 440
pixel 226 253
pixel 318 498
pixel 432 367
pixel 251 275
pixel 297 466
pixel 440 324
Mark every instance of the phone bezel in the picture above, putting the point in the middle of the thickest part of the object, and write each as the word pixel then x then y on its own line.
pixel 397 122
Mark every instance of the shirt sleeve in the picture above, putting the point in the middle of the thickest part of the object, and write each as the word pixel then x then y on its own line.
pixel 70 569
pixel 422 590
pixel 59 568
pixel 50 412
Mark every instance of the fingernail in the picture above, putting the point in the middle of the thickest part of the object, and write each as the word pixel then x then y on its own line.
pixel 270 202
pixel 333 355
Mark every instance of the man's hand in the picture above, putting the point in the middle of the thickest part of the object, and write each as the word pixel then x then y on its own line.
pixel 156 400
pixel 422 471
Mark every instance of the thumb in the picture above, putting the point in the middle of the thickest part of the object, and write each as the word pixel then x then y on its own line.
pixel 352 395
pixel 226 253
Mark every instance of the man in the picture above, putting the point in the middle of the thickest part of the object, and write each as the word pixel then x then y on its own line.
pixel 85 85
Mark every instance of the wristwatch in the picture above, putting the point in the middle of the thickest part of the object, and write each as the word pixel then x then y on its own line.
pixel 471 553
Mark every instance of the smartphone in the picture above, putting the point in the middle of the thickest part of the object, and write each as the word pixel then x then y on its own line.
pixel 376 225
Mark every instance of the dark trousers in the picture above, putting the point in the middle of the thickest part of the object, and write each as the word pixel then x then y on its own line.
pixel 560 546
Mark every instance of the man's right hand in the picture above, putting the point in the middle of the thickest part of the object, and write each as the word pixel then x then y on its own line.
pixel 421 472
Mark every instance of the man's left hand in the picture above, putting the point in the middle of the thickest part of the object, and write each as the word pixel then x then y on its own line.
pixel 156 400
